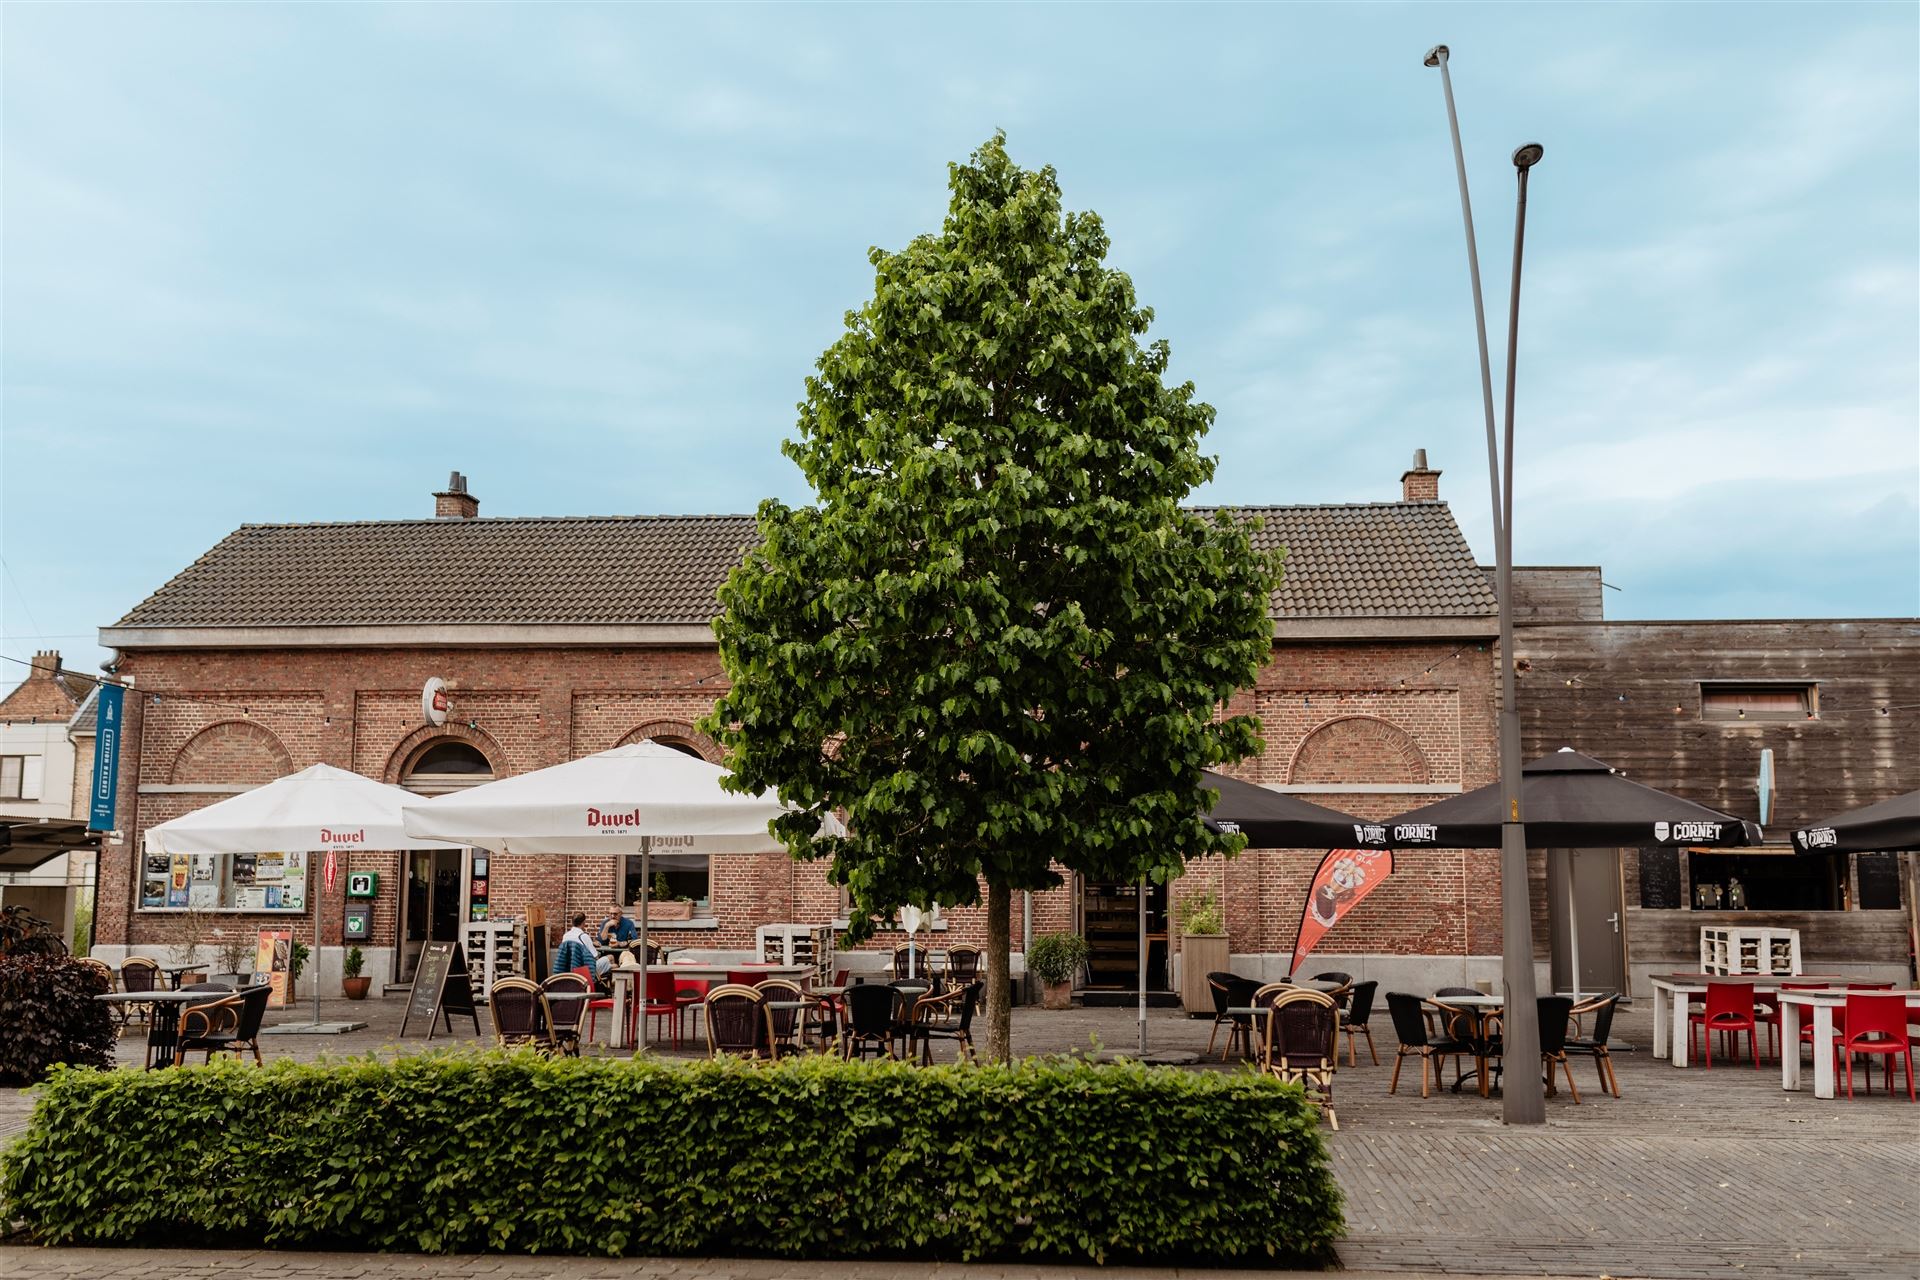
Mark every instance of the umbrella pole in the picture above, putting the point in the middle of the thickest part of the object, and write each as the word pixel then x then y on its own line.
pixel 319 888
pixel 646 895
pixel 1140 958
pixel 1573 930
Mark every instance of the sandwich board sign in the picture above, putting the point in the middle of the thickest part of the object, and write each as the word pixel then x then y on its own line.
pixel 441 988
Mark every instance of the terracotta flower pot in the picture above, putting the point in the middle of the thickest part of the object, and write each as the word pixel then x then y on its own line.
pixel 356 988
pixel 1056 995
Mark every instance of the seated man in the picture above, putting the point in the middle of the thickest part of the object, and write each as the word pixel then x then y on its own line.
pixel 577 951
pixel 616 929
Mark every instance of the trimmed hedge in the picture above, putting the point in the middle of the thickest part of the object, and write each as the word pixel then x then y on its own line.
pixel 492 1151
pixel 48 1015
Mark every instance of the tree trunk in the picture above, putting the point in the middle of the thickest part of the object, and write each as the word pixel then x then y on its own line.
pixel 999 973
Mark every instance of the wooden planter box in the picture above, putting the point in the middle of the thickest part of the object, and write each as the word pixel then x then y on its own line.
pixel 681 910
pixel 1200 955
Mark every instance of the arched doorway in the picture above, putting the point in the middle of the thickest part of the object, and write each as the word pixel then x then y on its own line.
pixel 444 887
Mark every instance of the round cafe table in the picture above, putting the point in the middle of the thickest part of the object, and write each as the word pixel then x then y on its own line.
pixel 163 1029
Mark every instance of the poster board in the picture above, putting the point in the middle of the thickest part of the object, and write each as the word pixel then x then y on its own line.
pixel 441 988
pixel 273 956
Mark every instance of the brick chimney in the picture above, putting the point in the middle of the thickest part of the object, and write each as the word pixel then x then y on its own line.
pixel 42 695
pixel 1418 484
pixel 455 503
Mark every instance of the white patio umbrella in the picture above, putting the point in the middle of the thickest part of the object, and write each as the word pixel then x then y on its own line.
pixel 316 810
pixel 619 801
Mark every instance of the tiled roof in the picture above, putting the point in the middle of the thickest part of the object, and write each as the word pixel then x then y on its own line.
pixel 1374 560
pixel 87 719
pixel 562 569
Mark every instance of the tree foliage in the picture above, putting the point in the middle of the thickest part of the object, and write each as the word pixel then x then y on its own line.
pixel 996 639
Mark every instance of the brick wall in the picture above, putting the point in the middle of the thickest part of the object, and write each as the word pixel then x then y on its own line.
pixel 1407 714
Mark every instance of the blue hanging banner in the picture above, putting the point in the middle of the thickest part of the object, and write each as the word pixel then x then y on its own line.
pixel 106 758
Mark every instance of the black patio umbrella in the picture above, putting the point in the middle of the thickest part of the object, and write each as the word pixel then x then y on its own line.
pixel 1887 827
pixel 1275 820
pixel 1571 801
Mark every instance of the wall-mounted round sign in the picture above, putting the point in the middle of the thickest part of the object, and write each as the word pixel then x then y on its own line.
pixel 434 703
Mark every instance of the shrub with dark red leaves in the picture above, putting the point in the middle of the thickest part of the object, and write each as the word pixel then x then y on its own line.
pixel 48 1014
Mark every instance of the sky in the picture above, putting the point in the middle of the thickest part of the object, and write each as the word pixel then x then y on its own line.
pixel 298 262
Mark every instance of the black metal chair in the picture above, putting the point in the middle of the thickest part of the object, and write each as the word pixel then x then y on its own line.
pixel 1596 1044
pixel 948 1017
pixel 1230 990
pixel 1334 976
pixel 1555 1012
pixel 1359 1008
pixel 870 1021
pixel 1408 1013
pixel 227 1025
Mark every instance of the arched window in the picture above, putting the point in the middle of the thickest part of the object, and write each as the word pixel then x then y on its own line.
pixel 447 764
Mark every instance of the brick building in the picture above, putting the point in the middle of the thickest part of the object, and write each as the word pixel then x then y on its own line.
pixel 287 645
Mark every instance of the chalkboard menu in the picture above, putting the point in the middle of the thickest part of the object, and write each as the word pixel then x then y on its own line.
pixel 441 988
pixel 1660 880
pixel 1879 881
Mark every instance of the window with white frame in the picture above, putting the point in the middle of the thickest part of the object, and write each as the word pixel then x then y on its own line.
pixel 20 777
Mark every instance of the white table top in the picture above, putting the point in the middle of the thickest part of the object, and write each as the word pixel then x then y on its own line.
pixel 632 972
pixel 1840 997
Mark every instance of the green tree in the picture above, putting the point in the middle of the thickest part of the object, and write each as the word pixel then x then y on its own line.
pixel 996 640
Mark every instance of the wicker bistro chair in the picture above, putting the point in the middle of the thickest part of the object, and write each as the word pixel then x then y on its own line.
pixel 564 1017
pixel 229 1024
pixel 869 1023
pixel 1303 1045
pixel 1353 1021
pixel 1601 1011
pixel 789 1025
pixel 737 1022
pixel 905 956
pixel 138 973
pixel 1409 1015
pixel 515 1006
pixel 1263 998
pixel 963 964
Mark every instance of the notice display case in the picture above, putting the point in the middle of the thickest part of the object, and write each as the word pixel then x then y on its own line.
pixel 493 950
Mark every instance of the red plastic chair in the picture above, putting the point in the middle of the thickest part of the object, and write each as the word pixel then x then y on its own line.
pixel 1729 1011
pixel 691 995
pixel 747 977
pixel 1876 1024
pixel 662 1002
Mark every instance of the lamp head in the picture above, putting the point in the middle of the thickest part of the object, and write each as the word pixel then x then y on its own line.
pixel 1528 156
pixel 1436 55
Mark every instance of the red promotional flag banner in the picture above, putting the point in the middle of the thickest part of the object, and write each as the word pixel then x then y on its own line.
pixel 1344 878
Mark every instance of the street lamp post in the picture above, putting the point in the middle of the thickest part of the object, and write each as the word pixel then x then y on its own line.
pixel 1523 1098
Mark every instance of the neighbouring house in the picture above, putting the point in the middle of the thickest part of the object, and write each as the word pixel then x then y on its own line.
pixel 290 644
pixel 46 765
pixel 1824 714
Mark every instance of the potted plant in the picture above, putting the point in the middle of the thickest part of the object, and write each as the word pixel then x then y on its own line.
pixel 1055 959
pixel 296 961
pixel 1203 950
pixel 235 951
pixel 352 983
pixel 664 904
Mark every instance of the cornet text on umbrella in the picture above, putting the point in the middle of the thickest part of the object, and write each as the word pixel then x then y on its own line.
pixel 1369 833
pixel 1416 833
pixel 1821 838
